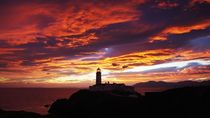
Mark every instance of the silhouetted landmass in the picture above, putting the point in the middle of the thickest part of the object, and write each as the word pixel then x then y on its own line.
pixel 18 114
pixel 158 84
pixel 180 102
pixel 116 103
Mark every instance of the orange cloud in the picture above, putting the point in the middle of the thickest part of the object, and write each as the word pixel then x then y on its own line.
pixel 60 70
pixel 64 28
pixel 179 30
pixel 29 21
pixel 92 16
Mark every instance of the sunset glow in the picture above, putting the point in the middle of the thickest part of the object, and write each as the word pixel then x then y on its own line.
pixel 61 43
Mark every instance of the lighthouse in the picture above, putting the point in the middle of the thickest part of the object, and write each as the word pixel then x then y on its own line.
pixel 98 76
pixel 99 86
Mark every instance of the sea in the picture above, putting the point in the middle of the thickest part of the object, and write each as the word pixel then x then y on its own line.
pixel 38 100
pixel 35 100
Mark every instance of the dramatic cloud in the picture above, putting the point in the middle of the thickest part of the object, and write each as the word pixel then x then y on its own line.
pixel 62 42
pixel 180 30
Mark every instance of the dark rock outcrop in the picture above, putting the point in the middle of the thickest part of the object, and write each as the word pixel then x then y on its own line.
pixel 115 103
pixel 181 102
pixel 18 114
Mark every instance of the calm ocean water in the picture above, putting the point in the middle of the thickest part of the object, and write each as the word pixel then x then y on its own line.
pixel 36 99
pixel 32 99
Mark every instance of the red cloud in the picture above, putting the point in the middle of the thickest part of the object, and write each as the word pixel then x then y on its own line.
pixel 180 30
pixel 27 21
pixel 73 36
pixel 199 1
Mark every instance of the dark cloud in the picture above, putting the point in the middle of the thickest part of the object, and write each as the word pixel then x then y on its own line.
pixel 115 64
pixel 3 65
pixel 183 14
pixel 200 44
pixel 45 34
pixel 131 33
pixel 125 66
pixel 28 63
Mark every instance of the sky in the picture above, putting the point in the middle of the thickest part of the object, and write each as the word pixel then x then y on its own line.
pixel 61 43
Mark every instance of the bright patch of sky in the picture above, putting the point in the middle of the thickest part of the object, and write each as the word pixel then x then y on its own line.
pixel 177 65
